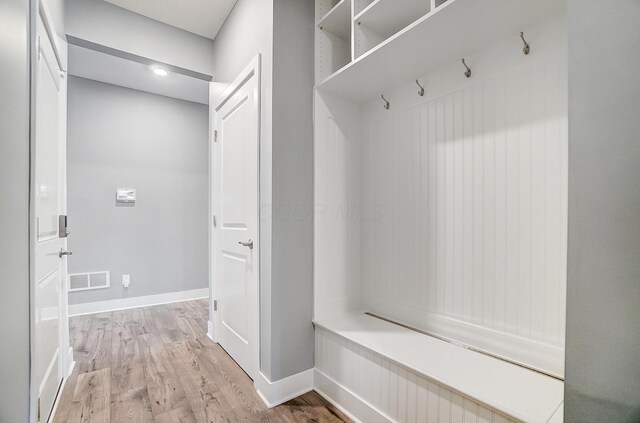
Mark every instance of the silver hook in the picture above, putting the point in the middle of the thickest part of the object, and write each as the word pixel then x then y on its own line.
pixel 421 92
pixel 386 102
pixel 467 73
pixel 526 49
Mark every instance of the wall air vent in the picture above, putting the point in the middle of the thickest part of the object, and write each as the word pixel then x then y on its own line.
pixel 87 281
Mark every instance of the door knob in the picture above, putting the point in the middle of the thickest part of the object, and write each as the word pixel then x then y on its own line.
pixel 247 244
pixel 62 252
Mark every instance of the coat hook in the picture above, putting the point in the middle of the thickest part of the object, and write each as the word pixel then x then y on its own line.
pixel 467 73
pixel 526 49
pixel 386 102
pixel 421 91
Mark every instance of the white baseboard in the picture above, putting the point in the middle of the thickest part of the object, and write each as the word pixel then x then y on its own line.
pixel 66 377
pixel 283 390
pixel 135 302
pixel 346 401
pixel 70 361
pixel 210 331
pixel 558 416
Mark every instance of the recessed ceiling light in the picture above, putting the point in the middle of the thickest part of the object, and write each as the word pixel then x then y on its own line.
pixel 159 71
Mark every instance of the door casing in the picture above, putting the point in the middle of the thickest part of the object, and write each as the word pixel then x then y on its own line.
pixel 40 12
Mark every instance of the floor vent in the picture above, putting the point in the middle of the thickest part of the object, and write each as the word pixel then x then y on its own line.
pixel 86 281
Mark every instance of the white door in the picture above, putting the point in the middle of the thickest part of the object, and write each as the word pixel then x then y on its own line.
pixel 48 245
pixel 235 205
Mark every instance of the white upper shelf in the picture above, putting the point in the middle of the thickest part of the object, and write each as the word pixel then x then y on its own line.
pixel 386 17
pixel 338 20
pixel 453 30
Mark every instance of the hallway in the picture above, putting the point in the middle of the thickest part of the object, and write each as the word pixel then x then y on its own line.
pixel 157 364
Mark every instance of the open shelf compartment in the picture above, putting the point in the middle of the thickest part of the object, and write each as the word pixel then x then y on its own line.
pixel 386 18
pixel 338 20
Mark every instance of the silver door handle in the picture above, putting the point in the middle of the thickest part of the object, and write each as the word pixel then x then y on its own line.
pixel 247 244
pixel 62 252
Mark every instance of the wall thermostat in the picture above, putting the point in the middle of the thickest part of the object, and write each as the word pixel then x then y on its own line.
pixel 126 195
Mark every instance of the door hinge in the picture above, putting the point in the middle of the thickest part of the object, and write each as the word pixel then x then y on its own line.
pixel 38 410
pixel 215 305
pixel 214 220
pixel 215 135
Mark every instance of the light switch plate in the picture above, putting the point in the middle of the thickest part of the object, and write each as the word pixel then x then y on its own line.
pixel 126 195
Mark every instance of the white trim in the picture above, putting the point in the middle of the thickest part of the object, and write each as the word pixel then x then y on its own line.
pixel 343 399
pixel 211 331
pixel 71 362
pixel 54 362
pixel 283 390
pixel 531 353
pixel 253 68
pixel 558 416
pixel 62 385
pixel 135 302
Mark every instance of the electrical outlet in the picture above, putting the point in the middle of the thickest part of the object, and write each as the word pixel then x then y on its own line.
pixel 126 280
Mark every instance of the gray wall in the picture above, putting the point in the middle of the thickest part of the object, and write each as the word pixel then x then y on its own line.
pixel 292 337
pixel 119 137
pixel 603 304
pixel 14 211
pixel 282 31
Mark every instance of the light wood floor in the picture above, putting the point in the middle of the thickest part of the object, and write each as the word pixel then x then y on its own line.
pixel 156 364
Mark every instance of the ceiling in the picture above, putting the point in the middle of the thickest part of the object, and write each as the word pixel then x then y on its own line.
pixel 92 64
pixel 202 17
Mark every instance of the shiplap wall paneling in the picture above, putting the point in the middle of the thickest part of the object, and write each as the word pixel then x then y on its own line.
pixel 469 193
pixel 394 393
pixel 337 194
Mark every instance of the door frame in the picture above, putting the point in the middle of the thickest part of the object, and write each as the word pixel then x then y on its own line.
pixel 252 69
pixel 39 10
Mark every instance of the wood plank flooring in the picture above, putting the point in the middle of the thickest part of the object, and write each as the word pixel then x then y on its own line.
pixel 157 364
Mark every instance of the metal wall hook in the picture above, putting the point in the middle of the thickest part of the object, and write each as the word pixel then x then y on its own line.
pixel 386 102
pixel 421 91
pixel 467 73
pixel 526 49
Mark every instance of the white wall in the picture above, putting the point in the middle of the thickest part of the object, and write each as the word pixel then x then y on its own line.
pixel 14 208
pixel 119 137
pixel 104 24
pixel 603 312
